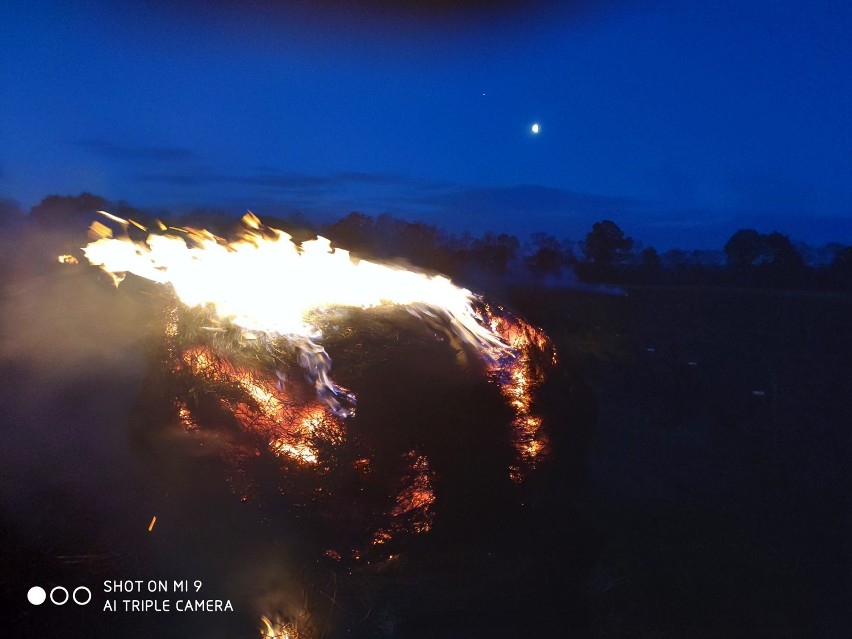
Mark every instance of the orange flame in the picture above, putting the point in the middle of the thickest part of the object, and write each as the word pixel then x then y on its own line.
pixel 518 379
pixel 229 278
pixel 277 628
pixel 205 270
pixel 286 427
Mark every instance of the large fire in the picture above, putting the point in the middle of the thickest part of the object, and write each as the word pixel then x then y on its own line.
pixel 270 296
pixel 234 279
pixel 312 278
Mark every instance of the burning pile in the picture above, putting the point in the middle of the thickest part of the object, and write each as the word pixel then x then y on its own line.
pixel 229 284
pixel 244 343
pixel 249 327
pixel 232 279
pixel 247 335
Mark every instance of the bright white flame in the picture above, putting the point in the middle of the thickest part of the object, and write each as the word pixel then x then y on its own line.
pixel 269 284
pixel 277 629
pixel 265 283
pixel 270 287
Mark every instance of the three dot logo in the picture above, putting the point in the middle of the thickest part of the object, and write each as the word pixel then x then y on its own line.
pixel 59 595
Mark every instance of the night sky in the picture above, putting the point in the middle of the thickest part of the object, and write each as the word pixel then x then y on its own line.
pixel 681 121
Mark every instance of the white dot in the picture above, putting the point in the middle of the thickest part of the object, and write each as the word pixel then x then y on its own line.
pixel 536 128
pixel 36 595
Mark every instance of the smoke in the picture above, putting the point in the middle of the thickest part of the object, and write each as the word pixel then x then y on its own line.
pixel 79 478
pixel 375 26
pixel 436 12
pixel 11 213
pixel 71 352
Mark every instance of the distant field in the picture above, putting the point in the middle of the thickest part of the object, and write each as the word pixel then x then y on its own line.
pixel 718 476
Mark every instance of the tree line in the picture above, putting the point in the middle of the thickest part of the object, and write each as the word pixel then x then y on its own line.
pixel 604 255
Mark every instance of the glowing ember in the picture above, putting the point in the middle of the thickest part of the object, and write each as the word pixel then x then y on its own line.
pixel 381 537
pixel 417 497
pixel 362 466
pixel 278 629
pixel 518 379
pixel 185 417
pixel 263 409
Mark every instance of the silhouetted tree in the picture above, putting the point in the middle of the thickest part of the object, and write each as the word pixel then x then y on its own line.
pixel 605 249
pixel 649 258
pixel 418 242
pixel 744 248
pixel 824 255
pixel 548 258
pixel 841 268
pixel 769 259
pixel 67 210
pixel 494 252
pixel 783 263
pixel 650 263
pixel 387 237
pixel 355 232
pixel 675 258
pixel 606 244
pixel 128 211
pixel 296 224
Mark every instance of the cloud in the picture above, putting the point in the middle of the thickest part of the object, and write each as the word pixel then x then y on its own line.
pixel 325 196
pixel 281 182
pixel 529 198
pixel 764 192
pixel 518 209
pixel 135 153
pixel 417 12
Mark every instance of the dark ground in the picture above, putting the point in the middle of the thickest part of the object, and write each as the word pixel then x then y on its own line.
pixel 700 487
pixel 719 476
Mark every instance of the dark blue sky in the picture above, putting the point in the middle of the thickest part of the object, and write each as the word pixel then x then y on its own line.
pixel 681 121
